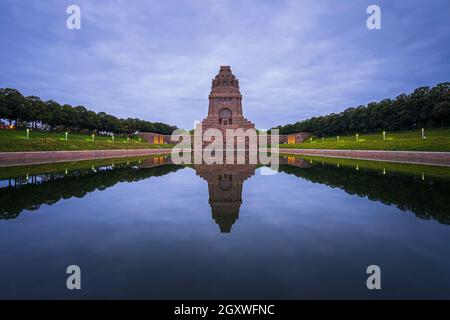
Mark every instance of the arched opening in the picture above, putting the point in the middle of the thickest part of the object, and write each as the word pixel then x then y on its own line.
pixel 225 117
pixel 225 181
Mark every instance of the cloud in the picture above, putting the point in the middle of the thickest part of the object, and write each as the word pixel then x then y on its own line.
pixel 155 59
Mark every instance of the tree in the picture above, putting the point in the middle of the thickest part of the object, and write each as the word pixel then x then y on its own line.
pixel 35 109
pixel 441 112
pixel 15 107
pixel 12 105
pixel 423 107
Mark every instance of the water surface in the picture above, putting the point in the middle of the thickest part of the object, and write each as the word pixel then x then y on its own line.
pixel 145 228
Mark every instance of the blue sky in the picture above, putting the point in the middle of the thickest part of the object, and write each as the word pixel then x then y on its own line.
pixel 154 60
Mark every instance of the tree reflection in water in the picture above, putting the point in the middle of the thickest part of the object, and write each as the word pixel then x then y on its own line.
pixel 427 198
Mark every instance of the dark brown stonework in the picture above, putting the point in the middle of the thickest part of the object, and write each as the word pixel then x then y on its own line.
pixel 225 104
pixel 225 112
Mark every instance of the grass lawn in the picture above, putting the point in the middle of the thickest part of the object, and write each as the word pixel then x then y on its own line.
pixel 16 140
pixel 436 140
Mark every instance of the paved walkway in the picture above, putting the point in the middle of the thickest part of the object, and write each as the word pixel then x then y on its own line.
pixel 415 157
pixel 38 157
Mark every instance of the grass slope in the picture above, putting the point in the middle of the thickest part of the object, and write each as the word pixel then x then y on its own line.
pixel 15 140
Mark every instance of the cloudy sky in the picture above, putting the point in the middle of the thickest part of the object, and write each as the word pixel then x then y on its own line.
pixel 154 60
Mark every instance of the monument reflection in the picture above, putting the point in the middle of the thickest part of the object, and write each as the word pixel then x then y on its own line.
pixel 225 185
pixel 30 187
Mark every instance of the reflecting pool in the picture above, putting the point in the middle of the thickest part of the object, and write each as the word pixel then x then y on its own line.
pixel 146 228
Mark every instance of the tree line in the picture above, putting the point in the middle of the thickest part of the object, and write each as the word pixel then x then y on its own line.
pixel 56 186
pixel 424 107
pixel 32 111
pixel 427 200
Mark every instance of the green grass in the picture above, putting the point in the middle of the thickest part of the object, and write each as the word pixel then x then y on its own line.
pixel 383 167
pixel 16 140
pixel 436 140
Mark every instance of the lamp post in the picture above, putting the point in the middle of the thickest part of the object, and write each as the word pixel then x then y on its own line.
pixel 93 137
pixel 28 133
pixel 67 135
pixel 337 138
pixel 384 135
pixel 423 133
pixel 357 137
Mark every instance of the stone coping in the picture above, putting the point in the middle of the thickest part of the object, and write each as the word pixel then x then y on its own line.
pixel 40 157
pixel 412 157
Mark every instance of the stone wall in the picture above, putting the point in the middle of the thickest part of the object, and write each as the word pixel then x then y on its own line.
pixel 415 157
pixel 21 158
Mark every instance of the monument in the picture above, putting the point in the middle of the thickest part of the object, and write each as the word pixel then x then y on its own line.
pixel 225 104
pixel 224 112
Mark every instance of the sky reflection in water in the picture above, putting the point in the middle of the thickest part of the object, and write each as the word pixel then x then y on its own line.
pixel 165 231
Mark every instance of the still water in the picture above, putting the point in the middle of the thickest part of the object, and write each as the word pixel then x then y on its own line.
pixel 145 228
